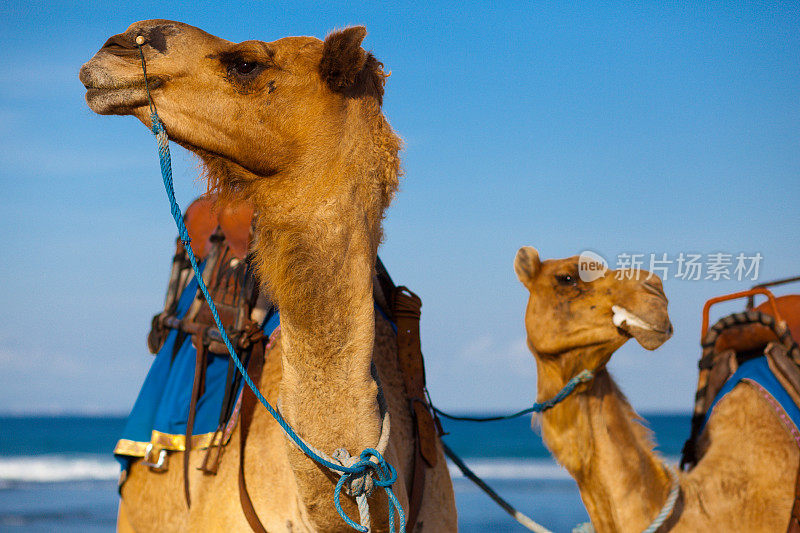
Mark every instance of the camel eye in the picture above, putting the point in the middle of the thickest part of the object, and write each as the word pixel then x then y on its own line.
pixel 245 67
pixel 242 67
pixel 566 280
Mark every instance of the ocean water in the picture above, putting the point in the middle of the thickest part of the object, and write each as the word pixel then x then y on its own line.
pixel 58 474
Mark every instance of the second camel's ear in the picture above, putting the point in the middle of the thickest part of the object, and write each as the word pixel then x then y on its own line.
pixel 347 68
pixel 526 265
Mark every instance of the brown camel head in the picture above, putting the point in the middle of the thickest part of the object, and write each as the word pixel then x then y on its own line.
pixel 567 314
pixel 252 109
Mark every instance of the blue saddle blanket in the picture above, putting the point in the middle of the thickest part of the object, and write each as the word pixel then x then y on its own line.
pixel 757 372
pixel 158 418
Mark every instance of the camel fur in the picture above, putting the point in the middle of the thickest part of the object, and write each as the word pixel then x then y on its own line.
pixel 294 127
pixel 745 477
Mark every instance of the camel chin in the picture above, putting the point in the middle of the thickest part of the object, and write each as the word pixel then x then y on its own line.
pixel 650 334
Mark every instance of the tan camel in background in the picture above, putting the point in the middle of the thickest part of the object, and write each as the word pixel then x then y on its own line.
pixel 295 127
pixel 745 478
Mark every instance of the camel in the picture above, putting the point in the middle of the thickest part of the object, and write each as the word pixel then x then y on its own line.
pixel 744 480
pixel 295 128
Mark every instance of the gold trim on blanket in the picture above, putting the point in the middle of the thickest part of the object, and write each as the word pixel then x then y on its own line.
pixel 168 442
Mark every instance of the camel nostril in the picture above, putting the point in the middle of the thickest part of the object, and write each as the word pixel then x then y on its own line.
pixel 119 42
pixel 653 281
pixel 653 286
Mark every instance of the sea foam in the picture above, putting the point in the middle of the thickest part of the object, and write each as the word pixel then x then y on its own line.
pixel 53 468
pixel 506 468
pixel 50 468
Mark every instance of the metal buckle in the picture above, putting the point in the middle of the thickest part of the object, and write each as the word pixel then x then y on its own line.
pixel 211 466
pixel 158 466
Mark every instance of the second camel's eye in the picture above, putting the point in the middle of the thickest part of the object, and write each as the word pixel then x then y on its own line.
pixel 565 279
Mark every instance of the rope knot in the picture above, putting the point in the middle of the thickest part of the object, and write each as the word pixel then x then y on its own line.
pixel 368 470
pixel 358 482
pixel 362 475
pixel 382 473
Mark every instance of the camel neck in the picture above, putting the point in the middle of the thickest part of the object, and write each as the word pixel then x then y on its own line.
pixel 318 230
pixel 318 270
pixel 599 439
pixel 321 279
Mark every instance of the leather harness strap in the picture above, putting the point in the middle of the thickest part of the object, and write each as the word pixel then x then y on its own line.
pixel 254 369
pixel 197 391
pixel 407 309
pixel 417 488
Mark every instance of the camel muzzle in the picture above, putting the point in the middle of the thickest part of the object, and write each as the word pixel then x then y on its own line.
pixel 109 94
pixel 648 332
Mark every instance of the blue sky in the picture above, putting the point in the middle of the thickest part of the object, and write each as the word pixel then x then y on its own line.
pixel 639 128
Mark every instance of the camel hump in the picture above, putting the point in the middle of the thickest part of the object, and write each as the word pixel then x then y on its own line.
pixel 762 336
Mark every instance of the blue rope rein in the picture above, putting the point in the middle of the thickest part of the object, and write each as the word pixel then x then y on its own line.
pixel 371 463
pixel 538 407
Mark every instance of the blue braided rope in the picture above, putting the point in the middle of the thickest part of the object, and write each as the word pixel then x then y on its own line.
pixel 582 377
pixel 538 407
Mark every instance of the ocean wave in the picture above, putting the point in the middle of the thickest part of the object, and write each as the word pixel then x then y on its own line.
pixel 51 468
pixel 522 469
pixel 54 468
pixel 512 469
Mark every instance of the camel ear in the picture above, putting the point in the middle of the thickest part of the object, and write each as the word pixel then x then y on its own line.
pixel 527 264
pixel 347 68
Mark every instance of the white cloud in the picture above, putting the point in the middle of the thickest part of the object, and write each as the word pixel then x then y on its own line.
pixel 511 356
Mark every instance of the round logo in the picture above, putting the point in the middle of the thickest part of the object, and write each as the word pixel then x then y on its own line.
pixel 591 266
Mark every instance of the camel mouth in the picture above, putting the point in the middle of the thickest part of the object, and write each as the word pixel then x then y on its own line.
pixel 152 82
pixel 118 98
pixel 623 317
pixel 647 334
